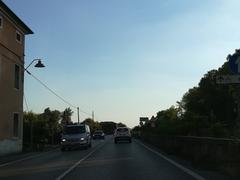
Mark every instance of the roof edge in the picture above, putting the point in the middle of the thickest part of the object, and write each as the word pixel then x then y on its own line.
pixel 15 17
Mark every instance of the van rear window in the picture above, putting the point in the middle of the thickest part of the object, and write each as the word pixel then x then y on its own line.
pixel 74 130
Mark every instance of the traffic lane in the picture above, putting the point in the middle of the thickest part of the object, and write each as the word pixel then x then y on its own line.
pixel 48 166
pixel 126 161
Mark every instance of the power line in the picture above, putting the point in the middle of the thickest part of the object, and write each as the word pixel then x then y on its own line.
pixel 49 89
pixel 25 100
pixel 52 91
pixel 84 112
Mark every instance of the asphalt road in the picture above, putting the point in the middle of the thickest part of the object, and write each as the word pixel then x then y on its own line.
pixel 105 160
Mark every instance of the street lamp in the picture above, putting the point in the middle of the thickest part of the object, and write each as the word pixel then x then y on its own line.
pixel 38 65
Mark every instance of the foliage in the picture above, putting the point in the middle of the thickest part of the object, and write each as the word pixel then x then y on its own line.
pixel 66 116
pixel 94 125
pixel 108 127
pixel 29 120
pixel 43 128
pixel 166 121
pixel 209 109
pixel 121 125
pixel 51 119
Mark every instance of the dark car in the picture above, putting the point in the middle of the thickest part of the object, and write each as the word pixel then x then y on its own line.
pixel 99 134
pixel 76 136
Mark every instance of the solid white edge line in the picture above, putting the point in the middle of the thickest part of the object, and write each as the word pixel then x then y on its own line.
pixel 78 163
pixel 26 158
pixel 186 170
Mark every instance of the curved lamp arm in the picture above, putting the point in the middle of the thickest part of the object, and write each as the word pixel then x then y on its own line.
pixel 31 63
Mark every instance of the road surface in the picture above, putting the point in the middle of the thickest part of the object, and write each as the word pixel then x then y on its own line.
pixel 105 160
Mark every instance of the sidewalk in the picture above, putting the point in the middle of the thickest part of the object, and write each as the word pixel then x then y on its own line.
pixel 24 155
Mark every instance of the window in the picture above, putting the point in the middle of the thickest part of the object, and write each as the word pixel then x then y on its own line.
pixel 16 125
pixel 17 74
pixel 18 37
pixel 22 75
pixel 1 21
pixel 74 130
pixel 122 130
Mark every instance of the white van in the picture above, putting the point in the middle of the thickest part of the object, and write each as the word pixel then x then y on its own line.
pixel 76 136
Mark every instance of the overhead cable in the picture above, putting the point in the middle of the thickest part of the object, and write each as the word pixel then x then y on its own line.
pixel 53 92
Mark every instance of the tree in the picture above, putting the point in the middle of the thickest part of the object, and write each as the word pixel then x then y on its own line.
pixel 43 128
pixel 66 116
pixel 209 109
pixel 29 119
pixel 52 119
pixel 121 125
pixel 167 121
pixel 94 125
pixel 108 127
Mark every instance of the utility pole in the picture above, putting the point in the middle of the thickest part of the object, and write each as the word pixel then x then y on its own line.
pixel 78 114
pixel 93 115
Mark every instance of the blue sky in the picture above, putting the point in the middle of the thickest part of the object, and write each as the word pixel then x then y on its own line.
pixel 124 58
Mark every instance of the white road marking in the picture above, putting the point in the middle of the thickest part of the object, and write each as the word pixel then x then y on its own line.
pixel 77 163
pixel 186 170
pixel 26 158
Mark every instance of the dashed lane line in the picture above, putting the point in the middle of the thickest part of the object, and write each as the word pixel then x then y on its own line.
pixel 78 163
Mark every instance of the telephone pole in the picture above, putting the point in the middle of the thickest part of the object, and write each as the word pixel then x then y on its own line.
pixel 78 114
pixel 93 115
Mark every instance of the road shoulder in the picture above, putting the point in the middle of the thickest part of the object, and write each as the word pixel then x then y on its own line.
pixel 206 174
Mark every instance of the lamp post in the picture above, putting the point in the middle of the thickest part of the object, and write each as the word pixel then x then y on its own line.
pixel 78 114
pixel 38 65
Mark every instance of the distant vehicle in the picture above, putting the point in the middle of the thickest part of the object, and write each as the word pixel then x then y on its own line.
pixel 99 134
pixel 122 134
pixel 76 136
